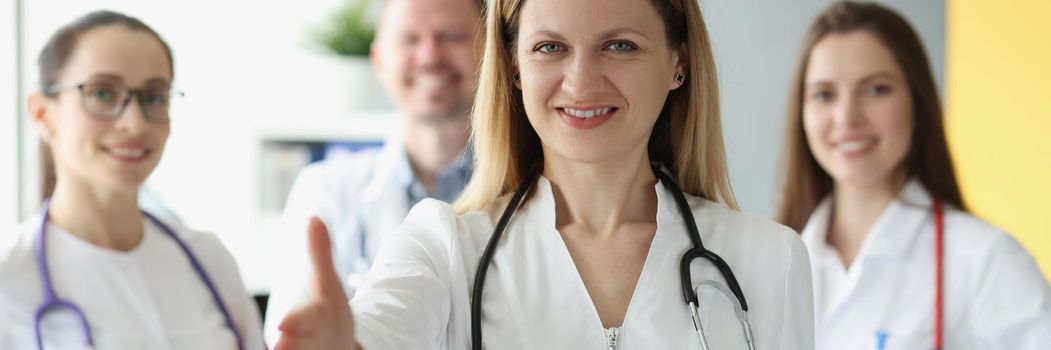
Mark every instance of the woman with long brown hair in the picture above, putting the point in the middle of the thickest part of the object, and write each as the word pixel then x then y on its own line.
pixel 599 215
pixel 898 262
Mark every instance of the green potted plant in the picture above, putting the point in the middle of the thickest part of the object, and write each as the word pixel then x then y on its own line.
pixel 345 37
pixel 349 31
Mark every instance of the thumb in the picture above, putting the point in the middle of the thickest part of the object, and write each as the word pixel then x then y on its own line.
pixel 326 281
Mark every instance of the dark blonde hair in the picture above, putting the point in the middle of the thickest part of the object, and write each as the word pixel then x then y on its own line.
pixel 687 137
pixel 805 182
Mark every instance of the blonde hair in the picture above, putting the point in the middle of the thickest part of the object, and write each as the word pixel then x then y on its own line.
pixel 687 137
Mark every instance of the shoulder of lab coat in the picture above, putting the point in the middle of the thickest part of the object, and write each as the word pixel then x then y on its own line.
pixel 748 237
pixel 16 245
pixel 16 257
pixel 407 296
pixel 222 269
pixel 6 324
pixel 324 189
pixel 993 279
pixel 1005 296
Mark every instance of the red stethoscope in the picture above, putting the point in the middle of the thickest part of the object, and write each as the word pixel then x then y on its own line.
pixel 939 277
pixel 939 274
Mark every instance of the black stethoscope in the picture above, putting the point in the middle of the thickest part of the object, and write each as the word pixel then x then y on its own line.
pixel 688 293
pixel 52 302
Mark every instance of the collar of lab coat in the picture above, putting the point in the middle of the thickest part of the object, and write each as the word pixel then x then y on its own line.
pixel 388 169
pixel 894 231
pixel 393 172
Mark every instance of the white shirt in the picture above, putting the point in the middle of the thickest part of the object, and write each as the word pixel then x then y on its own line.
pixel 417 295
pixel 361 197
pixel 995 296
pixel 146 298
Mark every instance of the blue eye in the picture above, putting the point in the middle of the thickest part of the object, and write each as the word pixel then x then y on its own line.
pixel 621 46
pixel 548 48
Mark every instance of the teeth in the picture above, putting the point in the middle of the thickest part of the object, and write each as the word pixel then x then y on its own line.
pixel 590 113
pixel 128 152
pixel 854 146
pixel 431 81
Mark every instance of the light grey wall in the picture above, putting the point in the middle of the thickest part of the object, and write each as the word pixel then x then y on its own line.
pixel 756 43
pixel 10 116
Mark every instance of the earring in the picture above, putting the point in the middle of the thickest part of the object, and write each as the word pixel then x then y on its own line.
pixel 516 77
pixel 679 78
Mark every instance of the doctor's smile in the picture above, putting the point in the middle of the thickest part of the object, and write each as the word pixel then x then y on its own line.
pixel 586 117
pixel 854 146
pixel 131 152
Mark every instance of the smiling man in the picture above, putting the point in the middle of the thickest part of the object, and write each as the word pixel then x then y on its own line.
pixel 425 56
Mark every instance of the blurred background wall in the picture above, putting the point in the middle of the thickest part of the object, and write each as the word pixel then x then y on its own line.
pixel 999 114
pixel 9 117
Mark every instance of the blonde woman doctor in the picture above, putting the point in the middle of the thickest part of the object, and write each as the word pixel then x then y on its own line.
pixel 599 215
pixel 898 262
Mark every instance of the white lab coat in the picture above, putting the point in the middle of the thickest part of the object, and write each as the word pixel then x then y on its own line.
pixel 417 295
pixel 146 298
pixel 995 296
pixel 360 197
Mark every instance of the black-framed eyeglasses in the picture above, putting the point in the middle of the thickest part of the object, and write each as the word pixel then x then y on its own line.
pixel 106 100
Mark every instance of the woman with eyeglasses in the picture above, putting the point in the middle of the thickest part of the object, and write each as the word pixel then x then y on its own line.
pixel 90 269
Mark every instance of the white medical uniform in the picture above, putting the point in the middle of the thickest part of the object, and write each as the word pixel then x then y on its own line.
pixel 995 296
pixel 147 298
pixel 417 295
pixel 361 197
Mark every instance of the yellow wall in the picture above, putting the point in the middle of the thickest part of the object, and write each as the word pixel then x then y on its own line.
pixel 999 114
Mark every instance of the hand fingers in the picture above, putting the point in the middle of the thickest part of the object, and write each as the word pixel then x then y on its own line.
pixel 322 320
pixel 315 325
pixel 296 322
pixel 326 281
pixel 287 343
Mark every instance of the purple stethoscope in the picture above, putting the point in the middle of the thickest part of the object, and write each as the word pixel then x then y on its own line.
pixel 52 302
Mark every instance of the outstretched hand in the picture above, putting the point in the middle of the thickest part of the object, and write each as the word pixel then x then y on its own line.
pixel 323 320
